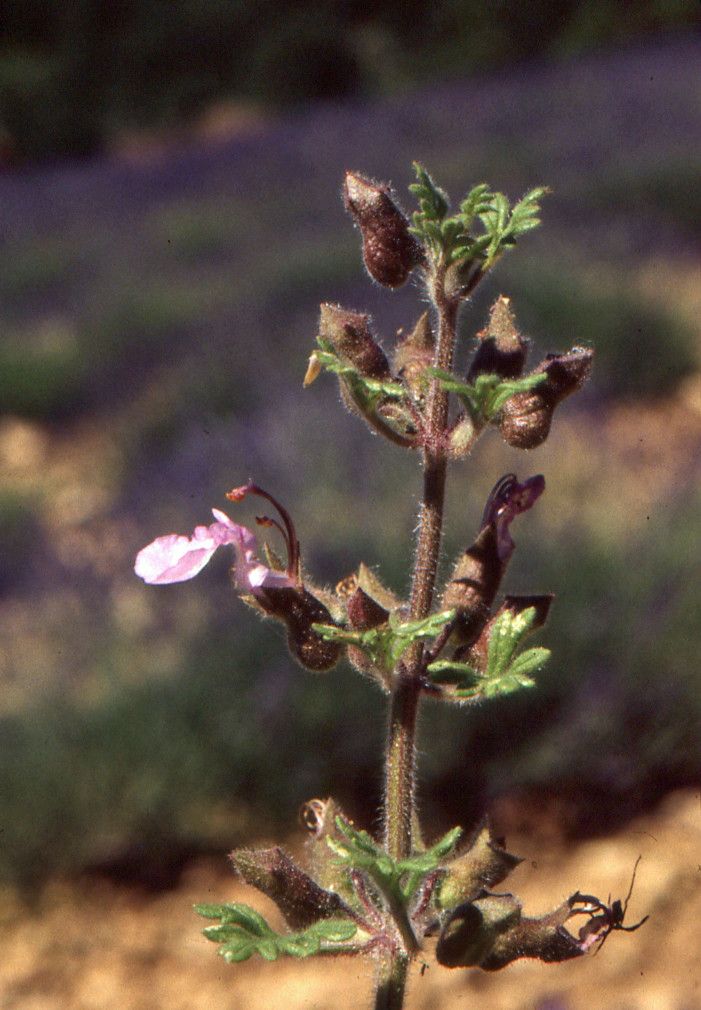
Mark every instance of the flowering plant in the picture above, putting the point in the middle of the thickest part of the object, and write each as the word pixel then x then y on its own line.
pixel 389 898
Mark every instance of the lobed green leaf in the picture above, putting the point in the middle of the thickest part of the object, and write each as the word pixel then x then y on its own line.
pixel 433 201
pixel 506 669
pixel 529 661
pixel 448 671
pixel 386 645
pixel 242 932
pixel 487 395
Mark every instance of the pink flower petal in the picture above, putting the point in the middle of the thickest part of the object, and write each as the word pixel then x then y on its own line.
pixel 174 558
pixel 258 576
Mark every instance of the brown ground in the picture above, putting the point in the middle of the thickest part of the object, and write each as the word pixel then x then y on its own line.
pixel 99 947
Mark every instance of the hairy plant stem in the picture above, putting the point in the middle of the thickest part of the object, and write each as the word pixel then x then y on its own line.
pixel 406 693
pixel 391 983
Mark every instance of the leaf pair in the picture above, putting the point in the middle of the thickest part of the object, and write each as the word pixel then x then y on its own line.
pixel 358 850
pixel 384 646
pixel 485 397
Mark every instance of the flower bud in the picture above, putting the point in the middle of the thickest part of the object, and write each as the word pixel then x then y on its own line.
pixel 389 250
pixel 491 932
pixel 365 613
pixel 462 437
pixel 298 609
pixel 474 584
pixel 484 864
pixel 414 354
pixel 479 571
pixel 350 336
pixel 470 934
pixel 300 899
pixel 544 938
pixel 502 350
pixel 526 417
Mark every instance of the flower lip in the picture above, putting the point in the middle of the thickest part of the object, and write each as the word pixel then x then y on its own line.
pixel 175 558
pixel 507 500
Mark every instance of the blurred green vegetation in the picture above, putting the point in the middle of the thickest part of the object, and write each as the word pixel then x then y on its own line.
pixel 596 311
pixel 41 373
pixel 667 194
pixel 615 721
pixel 69 78
pixel 30 268
pixel 163 769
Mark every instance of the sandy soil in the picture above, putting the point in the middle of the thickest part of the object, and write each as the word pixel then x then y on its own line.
pixel 95 946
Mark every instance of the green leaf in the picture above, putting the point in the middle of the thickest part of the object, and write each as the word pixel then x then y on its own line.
pixel 504 227
pixel 432 200
pixel 225 933
pixel 506 670
pixel 506 684
pixel 269 949
pixel 503 390
pixel 357 836
pixel 451 238
pixel 303 945
pixel 377 387
pixel 237 914
pixel 210 911
pixel 426 862
pixel 477 201
pixel 396 878
pixel 447 843
pixel 427 222
pixel 237 954
pixel 448 671
pixel 333 930
pixel 506 635
pixel 487 395
pixel 242 932
pixel 248 919
pixel 529 662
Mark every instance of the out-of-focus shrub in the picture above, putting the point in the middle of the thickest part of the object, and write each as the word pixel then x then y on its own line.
pixel 70 76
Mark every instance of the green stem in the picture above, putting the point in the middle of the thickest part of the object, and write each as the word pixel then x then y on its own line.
pixel 391 983
pixel 406 694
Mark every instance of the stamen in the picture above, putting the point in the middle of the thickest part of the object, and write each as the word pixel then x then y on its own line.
pixel 239 493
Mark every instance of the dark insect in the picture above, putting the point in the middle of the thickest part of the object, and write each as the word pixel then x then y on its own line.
pixel 606 918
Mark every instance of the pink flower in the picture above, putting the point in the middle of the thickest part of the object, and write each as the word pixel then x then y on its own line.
pixel 175 558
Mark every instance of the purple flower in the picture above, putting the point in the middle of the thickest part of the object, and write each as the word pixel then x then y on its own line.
pixel 175 558
pixel 507 500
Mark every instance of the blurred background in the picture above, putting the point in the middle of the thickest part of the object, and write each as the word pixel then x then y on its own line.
pixel 170 187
